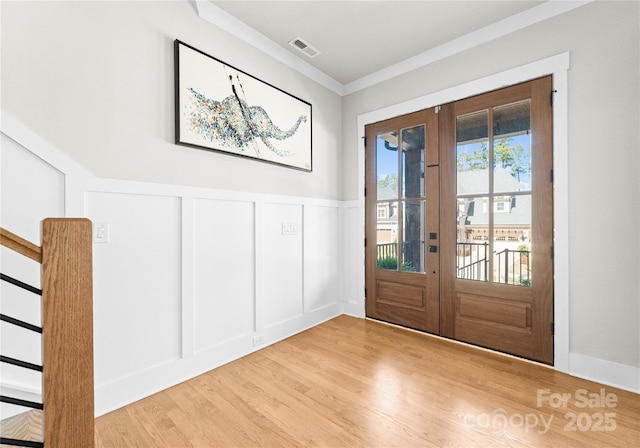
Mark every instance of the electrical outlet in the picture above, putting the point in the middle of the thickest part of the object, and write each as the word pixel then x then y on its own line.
pixel 258 340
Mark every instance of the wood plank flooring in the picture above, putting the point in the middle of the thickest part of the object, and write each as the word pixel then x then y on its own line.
pixel 360 383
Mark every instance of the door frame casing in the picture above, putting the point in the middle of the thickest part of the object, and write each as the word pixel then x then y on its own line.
pixel 557 66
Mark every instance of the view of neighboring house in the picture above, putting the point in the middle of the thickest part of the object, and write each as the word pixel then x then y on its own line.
pixel 511 213
pixel 510 231
pixel 499 228
pixel 387 213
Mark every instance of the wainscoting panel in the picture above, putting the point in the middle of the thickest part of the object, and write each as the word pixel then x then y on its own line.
pixel 281 264
pixel 225 273
pixel 32 189
pixel 224 277
pixel 136 283
pixel 352 242
pixel 322 264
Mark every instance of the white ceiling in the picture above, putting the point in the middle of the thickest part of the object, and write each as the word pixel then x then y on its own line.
pixel 363 42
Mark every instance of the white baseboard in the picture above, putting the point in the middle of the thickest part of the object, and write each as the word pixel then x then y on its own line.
pixel 606 372
pixel 353 309
pixel 17 391
pixel 119 393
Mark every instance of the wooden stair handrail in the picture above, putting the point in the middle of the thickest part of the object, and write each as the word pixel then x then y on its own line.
pixel 20 245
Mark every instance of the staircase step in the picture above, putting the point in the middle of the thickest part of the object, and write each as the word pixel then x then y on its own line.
pixel 26 426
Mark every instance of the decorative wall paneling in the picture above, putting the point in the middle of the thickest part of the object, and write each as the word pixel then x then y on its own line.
pixel 193 278
pixel 189 279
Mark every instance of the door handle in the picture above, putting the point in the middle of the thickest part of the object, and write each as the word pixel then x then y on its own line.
pixel 433 249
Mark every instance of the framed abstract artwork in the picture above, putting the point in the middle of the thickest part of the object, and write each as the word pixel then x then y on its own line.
pixel 221 108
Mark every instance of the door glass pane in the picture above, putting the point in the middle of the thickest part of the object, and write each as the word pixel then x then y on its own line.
pixel 413 230
pixel 472 254
pixel 472 160
pixel 413 150
pixel 472 153
pixel 387 195
pixel 493 216
pixel 387 165
pixel 512 147
pixel 387 235
pixel 512 240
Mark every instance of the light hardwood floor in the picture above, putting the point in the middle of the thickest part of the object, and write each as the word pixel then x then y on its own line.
pixel 359 383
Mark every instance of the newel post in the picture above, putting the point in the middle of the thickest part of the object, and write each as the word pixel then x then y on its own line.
pixel 67 307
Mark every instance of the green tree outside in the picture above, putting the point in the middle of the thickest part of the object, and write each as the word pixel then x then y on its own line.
pixel 513 158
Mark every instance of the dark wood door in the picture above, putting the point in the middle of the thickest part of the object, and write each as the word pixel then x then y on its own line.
pixel 497 229
pixel 402 221
pixel 459 229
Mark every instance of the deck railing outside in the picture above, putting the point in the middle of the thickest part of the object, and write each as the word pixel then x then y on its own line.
pixel 511 266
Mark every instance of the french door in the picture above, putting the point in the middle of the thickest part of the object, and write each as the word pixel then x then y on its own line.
pixel 402 221
pixel 459 220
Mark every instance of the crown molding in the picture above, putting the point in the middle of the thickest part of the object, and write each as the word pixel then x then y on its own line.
pixel 481 36
pixel 242 31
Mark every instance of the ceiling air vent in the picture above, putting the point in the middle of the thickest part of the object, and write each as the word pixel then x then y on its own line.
pixel 304 47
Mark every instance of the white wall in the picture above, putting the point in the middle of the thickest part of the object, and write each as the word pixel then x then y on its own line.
pixel 96 80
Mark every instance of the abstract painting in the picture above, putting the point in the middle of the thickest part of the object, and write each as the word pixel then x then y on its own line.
pixel 221 108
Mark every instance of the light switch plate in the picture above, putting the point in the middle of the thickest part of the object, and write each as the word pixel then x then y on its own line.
pixel 289 228
pixel 101 232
